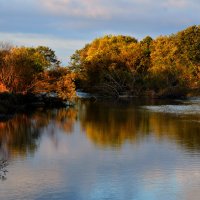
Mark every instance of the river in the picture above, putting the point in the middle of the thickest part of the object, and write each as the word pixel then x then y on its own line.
pixel 127 150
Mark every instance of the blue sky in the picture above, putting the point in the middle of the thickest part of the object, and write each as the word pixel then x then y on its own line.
pixel 67 25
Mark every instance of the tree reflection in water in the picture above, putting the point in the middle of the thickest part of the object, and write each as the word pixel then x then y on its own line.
pixel 108 125
pixel 105 125
pixel 20 135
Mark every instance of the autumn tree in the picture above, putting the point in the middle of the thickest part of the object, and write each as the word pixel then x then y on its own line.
pixel 175 63
pixel 59 80
pixel 19 68
pixel 188 44
pixel 26 70
pixel 164 71
pixel 109 64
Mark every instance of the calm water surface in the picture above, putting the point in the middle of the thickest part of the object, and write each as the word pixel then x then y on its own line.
pixel 98 151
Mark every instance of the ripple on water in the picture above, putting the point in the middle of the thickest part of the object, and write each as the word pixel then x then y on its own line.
pixel 189 106
pixel 176 109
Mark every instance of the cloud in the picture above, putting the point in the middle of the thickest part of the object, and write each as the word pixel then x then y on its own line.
pixel 63 47
pixel 96 9
pixel 180 4
pixel 152 17
pixel 83 20
pixel 108 9
pixel 86 8
pixel 65 17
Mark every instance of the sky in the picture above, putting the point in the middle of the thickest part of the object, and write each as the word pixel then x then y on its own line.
pixel 67 25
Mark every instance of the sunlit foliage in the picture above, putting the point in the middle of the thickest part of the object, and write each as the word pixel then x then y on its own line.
pixel 26 70
pixel 109 64
pixel 117 65
pixel 59 81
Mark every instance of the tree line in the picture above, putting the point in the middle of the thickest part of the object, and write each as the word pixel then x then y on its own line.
pixel 168 66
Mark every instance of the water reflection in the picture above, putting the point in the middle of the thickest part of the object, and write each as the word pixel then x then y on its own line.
pixel 21 135
pixel 3 170
pixel 18 136
pixel 105 125
pixel 101 151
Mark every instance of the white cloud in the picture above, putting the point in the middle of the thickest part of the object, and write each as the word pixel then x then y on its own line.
pixel 86 8
pixel 53 20
pixel 181 4
pixel 104 8
pixel 64 47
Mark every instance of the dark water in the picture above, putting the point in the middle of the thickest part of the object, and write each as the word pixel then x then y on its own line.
pixel 125 151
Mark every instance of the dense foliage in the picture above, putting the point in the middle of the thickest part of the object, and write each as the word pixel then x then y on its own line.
pixel 26 70
pixel 168 66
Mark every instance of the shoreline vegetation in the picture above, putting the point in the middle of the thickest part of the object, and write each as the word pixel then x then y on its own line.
pixel 165 67
pixel 10 104
pixel 108 67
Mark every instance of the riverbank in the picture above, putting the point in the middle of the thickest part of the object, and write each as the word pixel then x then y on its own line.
pixel 11 104
pixel 169 93
pixel 18 103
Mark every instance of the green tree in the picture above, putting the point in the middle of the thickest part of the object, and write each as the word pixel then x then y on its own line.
pixel 49 55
